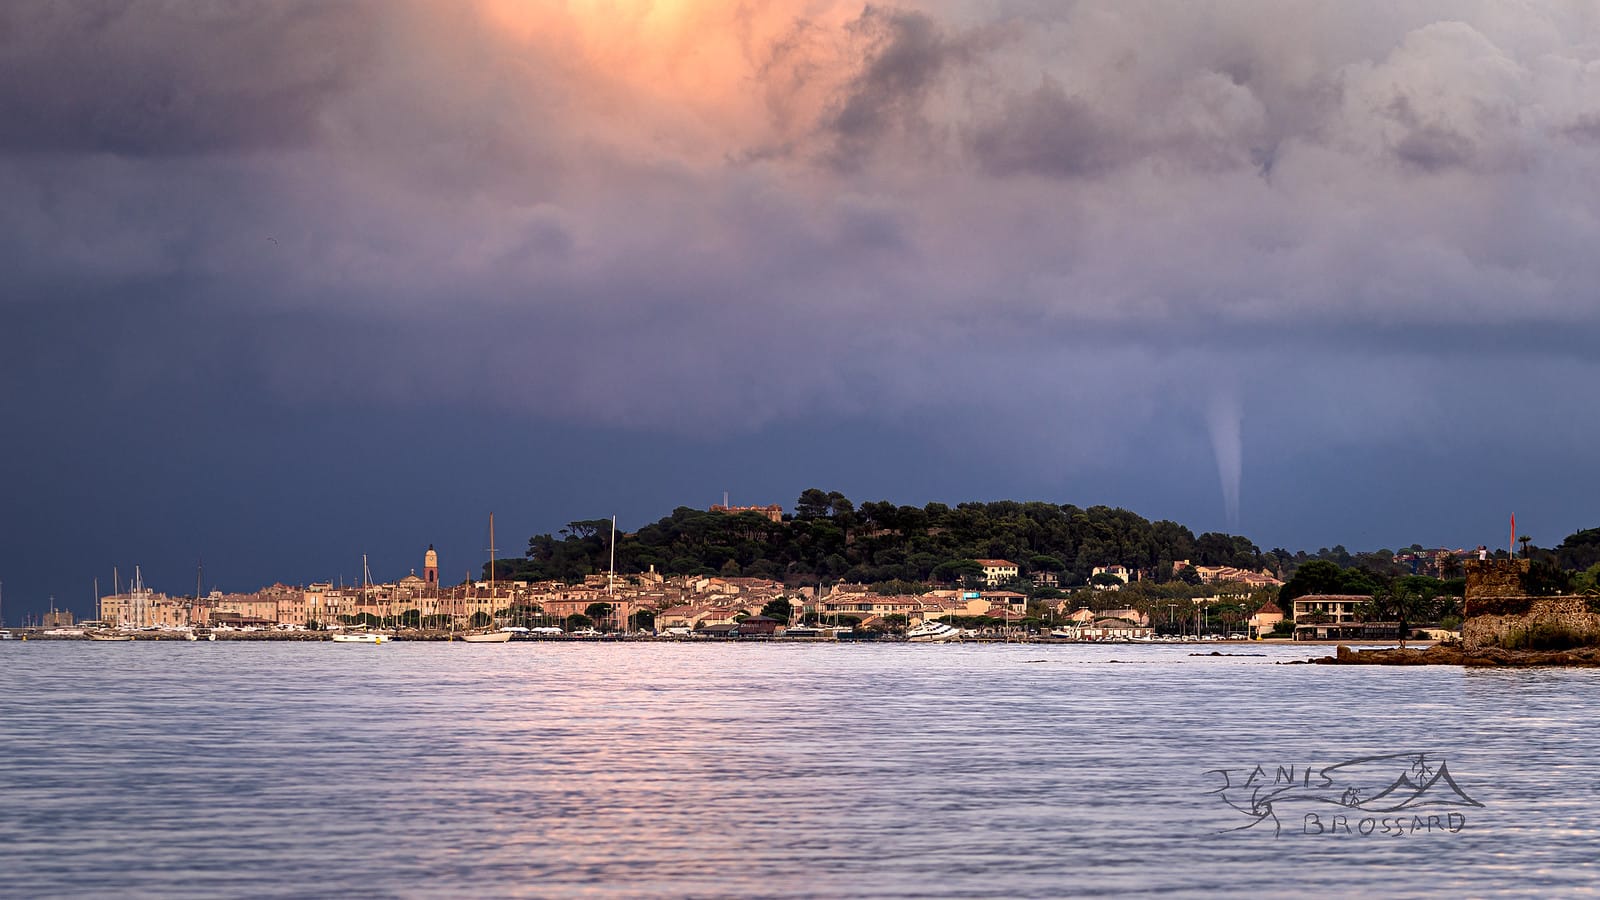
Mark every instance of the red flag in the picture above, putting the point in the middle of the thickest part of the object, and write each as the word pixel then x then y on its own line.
pixel 1513 535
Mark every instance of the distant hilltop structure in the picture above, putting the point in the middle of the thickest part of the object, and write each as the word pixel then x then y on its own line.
pixel 773 512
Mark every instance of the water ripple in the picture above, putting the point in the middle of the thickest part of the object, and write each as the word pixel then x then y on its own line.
pixel 437 770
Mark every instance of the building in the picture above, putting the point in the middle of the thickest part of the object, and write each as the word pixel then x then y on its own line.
pixel 1114 629
pixel 144 608
pixel 699 616
pixel 1266 619
pixel 773 512
pixel 1131 615
pixel 1322 617
pixel 1006 603
pixel 1083 615
pixel 1234 575
pixel 997 571
pixel 866 605
pixel 278 603
pixel 430 569
pixel 1121 573
pixel 58 618
pixel 758 625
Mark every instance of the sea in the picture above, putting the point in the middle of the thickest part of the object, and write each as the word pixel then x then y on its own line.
pixel 747 770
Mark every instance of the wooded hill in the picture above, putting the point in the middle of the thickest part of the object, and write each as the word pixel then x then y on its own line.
pixel 830 538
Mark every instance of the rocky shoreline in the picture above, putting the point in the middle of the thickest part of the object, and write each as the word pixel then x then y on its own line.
pixel 1456 655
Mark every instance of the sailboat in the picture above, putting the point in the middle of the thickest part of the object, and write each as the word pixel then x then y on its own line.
pixel 363 636
pixel 198 632
pixel 489 634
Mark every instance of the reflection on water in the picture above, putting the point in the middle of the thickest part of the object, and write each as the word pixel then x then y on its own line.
pixel 757 770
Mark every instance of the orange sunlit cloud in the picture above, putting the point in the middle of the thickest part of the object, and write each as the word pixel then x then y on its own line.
pixel 670 58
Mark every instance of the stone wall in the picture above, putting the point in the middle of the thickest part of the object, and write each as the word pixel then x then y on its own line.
pixel 1531 623
pixel 1495 578
pixel 1498 612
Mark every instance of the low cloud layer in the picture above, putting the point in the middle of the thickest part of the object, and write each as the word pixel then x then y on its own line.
pixel 1069 222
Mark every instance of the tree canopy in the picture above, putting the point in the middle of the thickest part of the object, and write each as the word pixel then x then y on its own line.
pixel 831 538
pixel 902 549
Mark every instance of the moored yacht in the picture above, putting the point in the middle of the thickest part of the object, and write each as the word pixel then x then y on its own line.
pixel 933 631
pixel 359 637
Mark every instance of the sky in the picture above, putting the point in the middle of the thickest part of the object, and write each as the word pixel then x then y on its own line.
pixel 290 282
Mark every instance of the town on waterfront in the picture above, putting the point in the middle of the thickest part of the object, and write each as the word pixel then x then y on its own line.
pixel 1077 575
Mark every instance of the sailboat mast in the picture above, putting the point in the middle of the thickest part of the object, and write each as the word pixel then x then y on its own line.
pixel 611 580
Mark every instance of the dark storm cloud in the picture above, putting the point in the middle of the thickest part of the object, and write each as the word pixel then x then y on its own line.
pixel 903 55
pixel 873 78
pixel 1584 128
pixel 1035 235
pixel 162 77
pixel 1047 132
pixel 1434 149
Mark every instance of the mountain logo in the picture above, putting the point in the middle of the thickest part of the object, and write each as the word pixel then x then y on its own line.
pixel 1390 794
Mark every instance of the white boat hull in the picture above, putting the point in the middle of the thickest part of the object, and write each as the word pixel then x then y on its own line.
pixel 360 638
pixel 487 637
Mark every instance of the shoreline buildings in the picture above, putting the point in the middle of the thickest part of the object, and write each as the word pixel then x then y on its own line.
pixel 692 601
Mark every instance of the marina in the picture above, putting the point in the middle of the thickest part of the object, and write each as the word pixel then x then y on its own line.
pixel 798 634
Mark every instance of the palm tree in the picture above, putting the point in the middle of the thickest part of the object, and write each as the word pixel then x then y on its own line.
pixel 1524 540
pixel 1405 605
pixel 1450 567
pixel 1366 611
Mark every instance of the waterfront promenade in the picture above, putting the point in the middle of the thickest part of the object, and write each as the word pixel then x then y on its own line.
pixel 436 636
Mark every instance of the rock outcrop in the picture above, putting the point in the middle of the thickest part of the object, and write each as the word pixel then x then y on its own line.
pixel 1456 655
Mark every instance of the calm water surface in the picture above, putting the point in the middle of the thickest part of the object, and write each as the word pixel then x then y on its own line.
pixel 661 770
